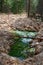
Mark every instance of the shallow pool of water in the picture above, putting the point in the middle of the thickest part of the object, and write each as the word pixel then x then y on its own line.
pixel 21 46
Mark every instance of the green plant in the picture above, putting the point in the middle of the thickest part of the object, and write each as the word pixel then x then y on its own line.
pixel 17 6
pixel 14 6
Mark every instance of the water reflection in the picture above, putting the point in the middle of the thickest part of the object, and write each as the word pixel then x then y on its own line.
pixel 21 48
pixel 26 40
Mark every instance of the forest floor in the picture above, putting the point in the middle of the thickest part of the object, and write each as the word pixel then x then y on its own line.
pixel 6 20
pixel 6 24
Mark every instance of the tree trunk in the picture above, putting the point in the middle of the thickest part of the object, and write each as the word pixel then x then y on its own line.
pixel 1 3
pixel 28 7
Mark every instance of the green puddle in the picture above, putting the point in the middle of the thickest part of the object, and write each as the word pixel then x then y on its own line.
pixel 21 46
